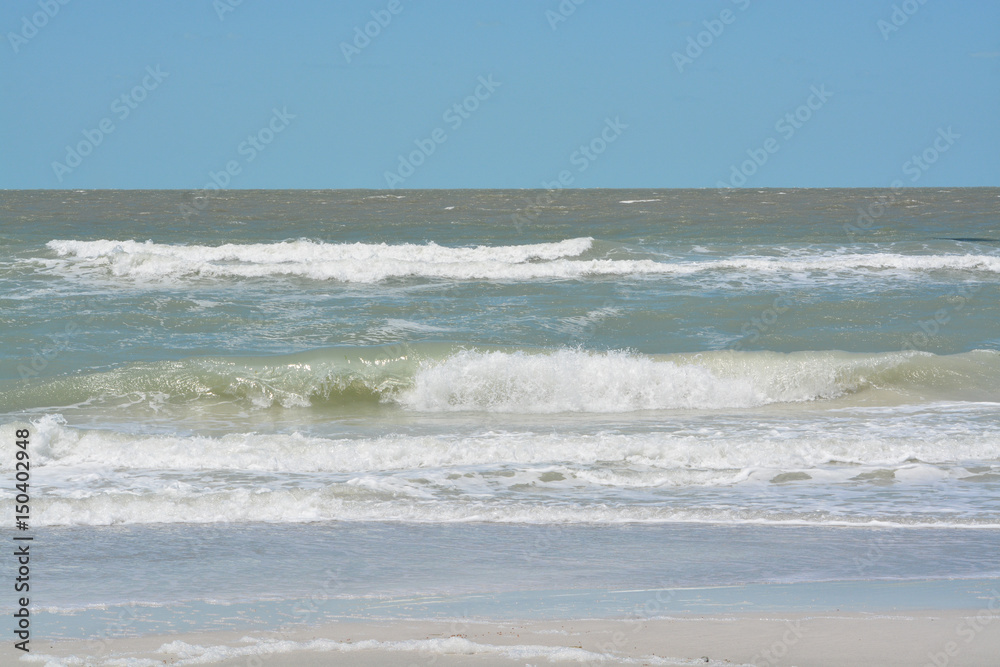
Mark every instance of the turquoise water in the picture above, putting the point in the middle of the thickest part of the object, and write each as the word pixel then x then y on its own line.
pixel 820 359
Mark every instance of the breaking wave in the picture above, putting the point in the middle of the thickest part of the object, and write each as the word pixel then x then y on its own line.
pixel 369 262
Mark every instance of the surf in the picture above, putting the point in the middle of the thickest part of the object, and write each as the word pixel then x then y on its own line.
pixel 376 262
pixel 447 378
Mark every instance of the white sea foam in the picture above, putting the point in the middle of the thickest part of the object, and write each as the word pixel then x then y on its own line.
pixel 577 381
pixel 743 471
pixel 366 262
pixel 707 455
pixel 312 505
pixel 818 474
pixel 305 251
pixel 355 262
pixel 183 653
pixel 192 654
pixel 437 378
pixel 571 381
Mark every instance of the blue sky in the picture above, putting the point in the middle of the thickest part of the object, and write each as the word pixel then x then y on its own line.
pixel 169 93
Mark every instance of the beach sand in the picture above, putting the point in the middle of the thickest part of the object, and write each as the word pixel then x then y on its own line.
pixel 937 638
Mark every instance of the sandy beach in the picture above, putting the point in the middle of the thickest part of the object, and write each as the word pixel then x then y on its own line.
pixel 964 637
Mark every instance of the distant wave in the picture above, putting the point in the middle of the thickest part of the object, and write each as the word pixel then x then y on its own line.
pixel 348 262
pixel 367 262
pixel 442 378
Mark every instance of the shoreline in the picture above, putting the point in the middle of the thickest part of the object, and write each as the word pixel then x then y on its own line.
pixel 930 622
pixel 935 637
pixel 859 596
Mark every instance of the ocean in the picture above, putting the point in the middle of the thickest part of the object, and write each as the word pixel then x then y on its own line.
pixel 480 403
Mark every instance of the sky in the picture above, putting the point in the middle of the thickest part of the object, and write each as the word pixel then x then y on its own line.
pixel 499 93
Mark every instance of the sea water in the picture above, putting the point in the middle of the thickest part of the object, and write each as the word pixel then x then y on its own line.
pixel 253 397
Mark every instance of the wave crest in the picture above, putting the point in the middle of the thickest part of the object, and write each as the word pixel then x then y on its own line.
pixel 439 378
pixel 374 262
